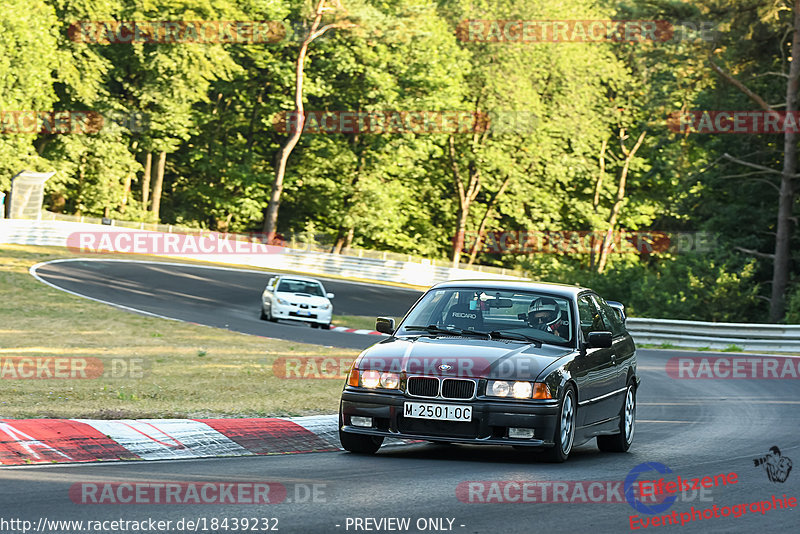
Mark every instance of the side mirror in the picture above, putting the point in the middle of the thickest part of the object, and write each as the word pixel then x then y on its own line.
pixel 329 295
pixel 619 308
pixel 384 325
pixel 601 340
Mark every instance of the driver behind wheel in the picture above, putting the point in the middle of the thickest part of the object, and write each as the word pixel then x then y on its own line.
pixel 544 314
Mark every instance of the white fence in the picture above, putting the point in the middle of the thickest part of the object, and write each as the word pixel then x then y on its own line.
pixel 420 273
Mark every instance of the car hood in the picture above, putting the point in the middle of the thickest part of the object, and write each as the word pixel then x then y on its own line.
pixel 301 298
pixel 461 357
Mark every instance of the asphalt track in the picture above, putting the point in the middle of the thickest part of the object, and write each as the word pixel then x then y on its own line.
pixel 220 297
pixel 697 428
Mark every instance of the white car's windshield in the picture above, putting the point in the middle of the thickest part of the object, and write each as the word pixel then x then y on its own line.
pixel 509 314
pixel 301 286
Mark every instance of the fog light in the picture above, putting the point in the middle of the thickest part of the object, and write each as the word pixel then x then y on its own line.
pixel 524 433
pixel 356 420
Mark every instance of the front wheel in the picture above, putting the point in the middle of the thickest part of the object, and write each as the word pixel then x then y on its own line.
pixel 565 428
pixel 326 326
pixel 621 441
pixel 359 443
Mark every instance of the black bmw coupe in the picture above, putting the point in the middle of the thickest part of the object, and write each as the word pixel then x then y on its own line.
pixel 528 364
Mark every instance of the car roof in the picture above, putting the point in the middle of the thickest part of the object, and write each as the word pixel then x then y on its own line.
pixel 563 290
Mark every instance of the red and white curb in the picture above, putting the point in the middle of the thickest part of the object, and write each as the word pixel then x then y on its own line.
pixel 356 331
pixel 46 441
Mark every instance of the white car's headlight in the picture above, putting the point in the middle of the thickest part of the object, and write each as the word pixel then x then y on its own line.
pixel 281 301
pixel 325 307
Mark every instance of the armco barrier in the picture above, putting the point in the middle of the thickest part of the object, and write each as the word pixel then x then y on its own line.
pixel 750 337
pixel 423 273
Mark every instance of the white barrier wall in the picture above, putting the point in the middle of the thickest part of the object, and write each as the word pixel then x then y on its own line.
pixel 56 233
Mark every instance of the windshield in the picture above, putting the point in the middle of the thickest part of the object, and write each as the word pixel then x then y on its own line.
pixel 498 313
pixel 301 286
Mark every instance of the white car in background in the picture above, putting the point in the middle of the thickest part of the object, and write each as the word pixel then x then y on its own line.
pixel 297 298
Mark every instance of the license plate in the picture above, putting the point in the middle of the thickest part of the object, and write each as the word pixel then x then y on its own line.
pixel 304 313
pixel 441 412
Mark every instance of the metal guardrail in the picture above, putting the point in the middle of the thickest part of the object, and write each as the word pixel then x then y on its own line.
pixel 422 273
pixel 698 334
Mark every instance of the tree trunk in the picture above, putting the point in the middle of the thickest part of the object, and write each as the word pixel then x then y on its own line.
pixel 612 219
pixel 780 267
pixel 271 216
pixel 148 163
pixel 126 191
pixel 465 198
pixel 482 227
pixel 598 186
pixel 159 183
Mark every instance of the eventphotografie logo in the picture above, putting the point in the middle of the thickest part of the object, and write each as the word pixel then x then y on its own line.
pixel 777 466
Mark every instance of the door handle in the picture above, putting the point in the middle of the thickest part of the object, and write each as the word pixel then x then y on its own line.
pixel 613 359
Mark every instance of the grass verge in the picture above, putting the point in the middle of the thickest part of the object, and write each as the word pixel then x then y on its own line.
pixel 189 370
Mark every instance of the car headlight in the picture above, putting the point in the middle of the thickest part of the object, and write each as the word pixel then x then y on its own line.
pixel 390 380
pixel 373 379
pixel 325 307
pixel 281 301
pixel 518 389
pixel 522 390
pixel 498 388
pixel 370 379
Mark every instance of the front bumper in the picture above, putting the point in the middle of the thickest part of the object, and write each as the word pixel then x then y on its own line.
pixel 489 426
pixel 296 313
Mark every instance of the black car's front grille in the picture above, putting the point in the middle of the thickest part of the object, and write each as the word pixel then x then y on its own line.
pixel 426 427
pixel 421 386
pixel 453 388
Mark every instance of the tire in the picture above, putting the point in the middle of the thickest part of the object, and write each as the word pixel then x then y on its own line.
pixel 326 326
pixel 314 325
pixel 564 435
pixel 621 441
pixel 267 316
pixel 360 443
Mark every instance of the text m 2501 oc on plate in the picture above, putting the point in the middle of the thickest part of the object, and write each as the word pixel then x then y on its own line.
pixel 441 412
